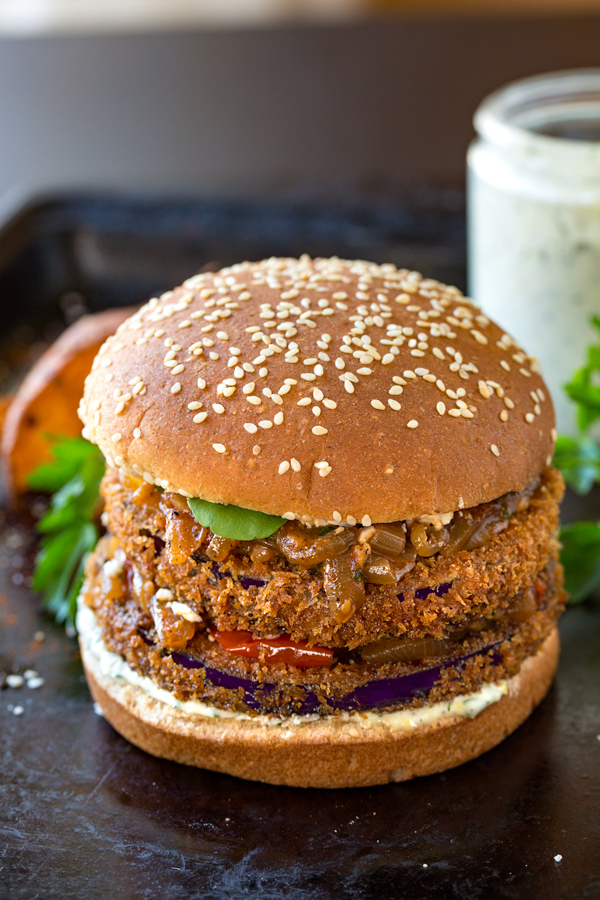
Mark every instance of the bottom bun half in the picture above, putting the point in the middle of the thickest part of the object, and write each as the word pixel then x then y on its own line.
pixel 326 753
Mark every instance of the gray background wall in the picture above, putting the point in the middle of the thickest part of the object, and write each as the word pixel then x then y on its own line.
pixel 263 111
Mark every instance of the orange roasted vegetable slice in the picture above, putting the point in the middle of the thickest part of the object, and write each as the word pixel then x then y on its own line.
pixel 47 400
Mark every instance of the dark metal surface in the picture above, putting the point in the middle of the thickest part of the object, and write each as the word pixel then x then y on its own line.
pixel 85 815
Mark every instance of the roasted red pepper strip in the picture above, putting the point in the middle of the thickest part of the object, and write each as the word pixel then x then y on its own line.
pixel 280 649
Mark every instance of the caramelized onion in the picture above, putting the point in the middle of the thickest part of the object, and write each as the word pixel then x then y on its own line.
pixel 462 527
pixel 218 548
pixel 405 562
pixel 488 527
pixel 379 570
pixel 388 540
pixel 305 550
pixel 344 588
pixel 183 535
pixel 428 540
pixel 408 650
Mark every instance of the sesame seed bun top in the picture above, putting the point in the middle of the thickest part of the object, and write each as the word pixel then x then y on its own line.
pixel 327 389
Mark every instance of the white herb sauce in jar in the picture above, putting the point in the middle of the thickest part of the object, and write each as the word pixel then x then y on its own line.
pixel 534 219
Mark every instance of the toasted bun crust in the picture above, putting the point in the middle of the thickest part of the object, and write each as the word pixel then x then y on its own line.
pixel 191 393
pixel 319 754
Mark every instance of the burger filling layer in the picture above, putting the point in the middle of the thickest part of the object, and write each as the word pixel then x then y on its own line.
pixel 390 617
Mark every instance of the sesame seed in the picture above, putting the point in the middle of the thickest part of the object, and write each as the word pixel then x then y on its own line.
pixel 218 408
pixel 305 401
pixel 387 359
pixel 200 417
pixel 529 418
pixel 175 388
pixel 339 363
pixel 321 465
pixel 283 467
pixel 116 437
pixel 441 408
pixel 195 404
pixel 201 383
pixel 504 416
pixel 393 404
pixel 119 408
pixel 455 413
pixel 412 424
pixel 484 390
pixel 250 427
pixel 319 430
pixel 364 371
pixel 336 516
pixel 505 365
pixel 278 418
pixel 308 376
pixel 178 369
pixel 220 448
pixel 349 387
pixel 265 423
pixel 377 404
pixel 494 450
pixel 137 433
pixel 255 401
pixel 437 352
pixel 553 434
pixel 295 464
pixel 508 403
pixel 366 521
pixel 316 410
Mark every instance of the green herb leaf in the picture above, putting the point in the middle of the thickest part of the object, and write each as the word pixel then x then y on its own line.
pixel 581 558
pixel 584 387
pixel 234 522
pixel 69 527
pixel 579 461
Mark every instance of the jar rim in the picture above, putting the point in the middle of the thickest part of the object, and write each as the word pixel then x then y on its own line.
pixel 506 118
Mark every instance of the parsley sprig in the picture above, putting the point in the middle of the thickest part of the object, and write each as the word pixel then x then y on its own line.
pixel 578 458
pixel 69 528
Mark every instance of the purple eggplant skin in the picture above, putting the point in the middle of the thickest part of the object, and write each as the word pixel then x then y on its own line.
pixel 377 694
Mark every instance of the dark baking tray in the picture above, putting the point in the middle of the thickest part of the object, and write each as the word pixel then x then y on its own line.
pixel 83 814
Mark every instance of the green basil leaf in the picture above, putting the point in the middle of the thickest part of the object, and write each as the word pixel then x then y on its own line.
pixel 234 522
pixel 580 556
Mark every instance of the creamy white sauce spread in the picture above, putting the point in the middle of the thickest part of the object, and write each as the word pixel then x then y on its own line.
pixel 114 666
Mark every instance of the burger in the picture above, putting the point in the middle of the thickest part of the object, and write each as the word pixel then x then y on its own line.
pixel 331 555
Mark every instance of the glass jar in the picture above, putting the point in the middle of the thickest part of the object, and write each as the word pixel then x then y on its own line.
pixel 534 219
